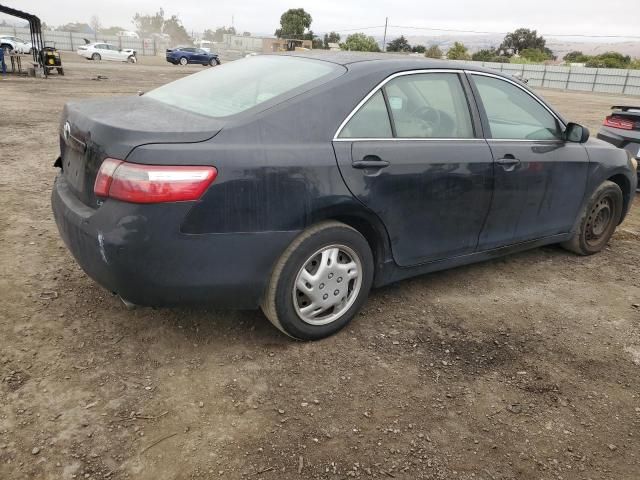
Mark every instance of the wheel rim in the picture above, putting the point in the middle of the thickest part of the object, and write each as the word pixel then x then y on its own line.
pixel 183 61
pixel 599 220
pixel 327 285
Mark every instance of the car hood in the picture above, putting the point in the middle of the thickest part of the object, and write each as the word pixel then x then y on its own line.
pixel 118 125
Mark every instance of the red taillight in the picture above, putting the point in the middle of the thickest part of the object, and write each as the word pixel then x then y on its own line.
pixel 617 122
pixel 136 183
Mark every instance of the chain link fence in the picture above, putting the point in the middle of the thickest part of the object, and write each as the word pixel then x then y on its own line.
pixel 70 41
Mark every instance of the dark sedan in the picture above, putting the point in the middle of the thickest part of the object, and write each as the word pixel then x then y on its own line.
pixel 296 183
pixel 622 129
pixel 190 55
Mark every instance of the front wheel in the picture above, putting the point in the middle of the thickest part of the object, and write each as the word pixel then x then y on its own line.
pixel 213 62
pixel 96 57
pixel 132 59
pixel 320 282
pixel 598 220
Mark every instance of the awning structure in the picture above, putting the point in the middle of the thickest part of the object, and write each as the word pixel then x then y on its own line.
pixel 35 27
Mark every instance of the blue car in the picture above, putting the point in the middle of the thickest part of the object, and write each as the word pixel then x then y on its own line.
pixel 186 55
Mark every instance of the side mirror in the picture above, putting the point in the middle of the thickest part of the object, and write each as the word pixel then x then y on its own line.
pixel 576 133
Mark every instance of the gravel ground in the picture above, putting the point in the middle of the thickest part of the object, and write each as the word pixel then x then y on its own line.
pixel 525 367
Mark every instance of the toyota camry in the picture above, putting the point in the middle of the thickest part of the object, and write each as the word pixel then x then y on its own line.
pixel 296 183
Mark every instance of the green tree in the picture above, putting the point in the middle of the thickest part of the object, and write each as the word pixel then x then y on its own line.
pixel 575 57
pixel 418 49
pixel 400 44
pixel 484 55
pixel 609 60
pixel 218 34
pixel 293 24
pixel 359 42
pixel 148 24
pixel 174 28
pixel 535 55
pixel 433 51
pixel 458 52
pixel 522 39
pixel 112 30
pixel 331 37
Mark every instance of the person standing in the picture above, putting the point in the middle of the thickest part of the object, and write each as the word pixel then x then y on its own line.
pixel 3 65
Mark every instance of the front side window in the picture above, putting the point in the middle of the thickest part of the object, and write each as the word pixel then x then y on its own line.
pixel 513 113
pixel 429 105
pixel 237 86
pixel 370 121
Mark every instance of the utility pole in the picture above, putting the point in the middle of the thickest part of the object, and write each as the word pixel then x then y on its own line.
pixel 384 41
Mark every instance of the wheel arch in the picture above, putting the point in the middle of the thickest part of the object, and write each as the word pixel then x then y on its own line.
pixel 625 185
pixel 368 225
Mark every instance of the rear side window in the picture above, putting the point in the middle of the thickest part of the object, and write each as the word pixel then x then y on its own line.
pixel 238 86
pixel 513 113
pixel 429 105
pixel 370 121
pixel 421 105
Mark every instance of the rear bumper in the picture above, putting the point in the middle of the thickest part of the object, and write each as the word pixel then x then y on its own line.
pixel 138 252
pixel 629 141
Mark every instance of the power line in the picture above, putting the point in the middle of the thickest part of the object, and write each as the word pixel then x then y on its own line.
pixel 504 33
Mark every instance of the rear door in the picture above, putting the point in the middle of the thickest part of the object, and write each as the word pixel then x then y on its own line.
pixel 412 153
pixel 540 179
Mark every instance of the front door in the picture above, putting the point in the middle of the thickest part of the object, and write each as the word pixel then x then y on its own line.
pixel 411 155
pixel 540 179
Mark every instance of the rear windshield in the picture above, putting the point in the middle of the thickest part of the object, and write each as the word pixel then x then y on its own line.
pixel 237 86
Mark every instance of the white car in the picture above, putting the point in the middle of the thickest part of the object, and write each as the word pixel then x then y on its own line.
pixel 106 51
pixel 15 44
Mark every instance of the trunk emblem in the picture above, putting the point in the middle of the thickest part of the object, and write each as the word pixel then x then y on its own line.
pixel 66 131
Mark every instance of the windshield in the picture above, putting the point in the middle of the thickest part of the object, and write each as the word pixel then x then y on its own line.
pixel 237 86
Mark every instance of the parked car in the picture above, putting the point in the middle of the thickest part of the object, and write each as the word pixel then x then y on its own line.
pixel 296 182
pixel 107 51
pixel 186 55
pixel 15 44
pixel 622 129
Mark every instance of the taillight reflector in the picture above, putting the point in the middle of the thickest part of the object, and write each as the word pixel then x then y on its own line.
pixel 137 183
pixel 617 122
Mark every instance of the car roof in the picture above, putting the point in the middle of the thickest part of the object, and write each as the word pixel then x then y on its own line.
pixel 384 61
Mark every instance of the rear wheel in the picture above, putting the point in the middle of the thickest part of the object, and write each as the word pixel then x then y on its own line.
pixel 598 220
pixel 320 282
pixel 60 71
pixel 183 61
pixel 96 57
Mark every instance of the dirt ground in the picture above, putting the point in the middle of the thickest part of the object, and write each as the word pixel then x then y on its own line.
pixel 525 367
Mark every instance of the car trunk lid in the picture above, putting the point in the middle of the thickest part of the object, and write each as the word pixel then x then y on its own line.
pixel 94 130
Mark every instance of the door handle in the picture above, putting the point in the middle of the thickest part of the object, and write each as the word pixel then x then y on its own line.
pixel 508 162
pixel 370 161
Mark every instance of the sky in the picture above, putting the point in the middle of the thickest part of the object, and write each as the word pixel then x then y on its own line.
pixel 570 17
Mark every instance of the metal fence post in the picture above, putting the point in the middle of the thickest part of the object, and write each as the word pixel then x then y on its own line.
pixel 626 82
pixel 544 74
pixel 566 85
pixel 595 80
pixel 71 40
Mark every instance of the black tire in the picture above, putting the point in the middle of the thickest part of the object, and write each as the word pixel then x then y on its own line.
pixel 213 62
pixel 60 71
pixel 598 220
pixel 183 61
pixel 278 301
pixel 96 57
pixel 132 59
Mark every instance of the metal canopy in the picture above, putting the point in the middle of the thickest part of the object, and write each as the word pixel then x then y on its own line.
pixel 35 27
